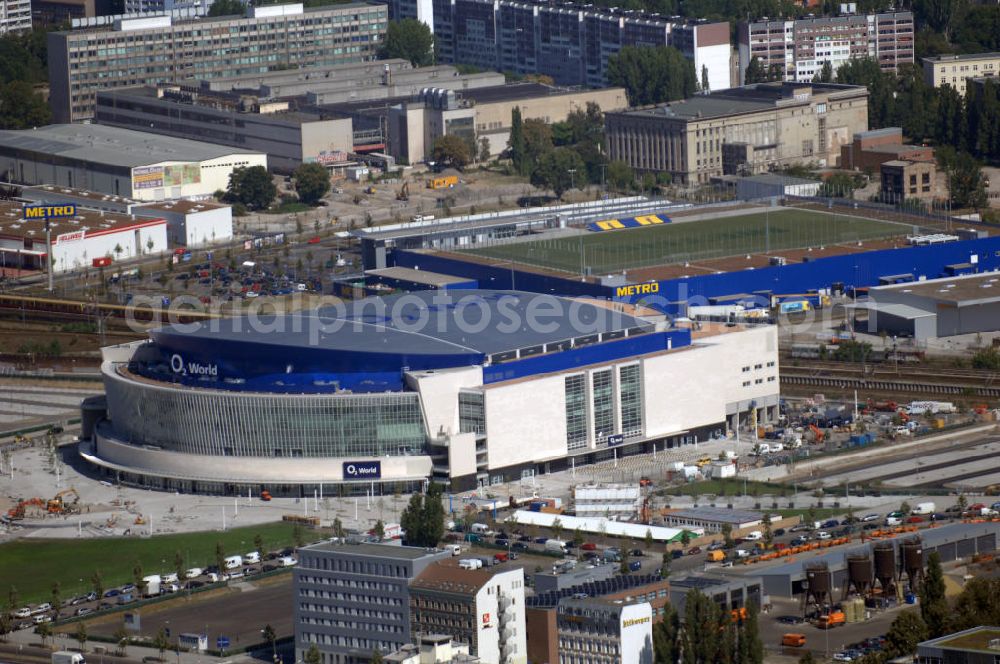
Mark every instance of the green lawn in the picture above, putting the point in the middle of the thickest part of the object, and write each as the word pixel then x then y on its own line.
pixel 613 251
pixel 33 565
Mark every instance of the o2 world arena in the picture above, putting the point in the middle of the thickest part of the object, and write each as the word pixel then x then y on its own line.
pixel 465 387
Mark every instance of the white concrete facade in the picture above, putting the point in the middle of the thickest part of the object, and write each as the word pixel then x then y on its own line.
pixel 73 251
pixel 501 634
pixel 636 626
pixel 192 224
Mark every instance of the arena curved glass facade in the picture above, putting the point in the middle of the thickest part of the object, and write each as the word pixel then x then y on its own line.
pixel 248 424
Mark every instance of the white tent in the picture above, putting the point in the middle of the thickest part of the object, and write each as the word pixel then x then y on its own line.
pixel 603 526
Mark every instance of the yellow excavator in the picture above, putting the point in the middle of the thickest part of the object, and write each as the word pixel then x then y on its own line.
pixel 59 505
pixel 404 192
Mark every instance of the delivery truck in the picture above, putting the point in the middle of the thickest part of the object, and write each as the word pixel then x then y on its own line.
pixel 66 657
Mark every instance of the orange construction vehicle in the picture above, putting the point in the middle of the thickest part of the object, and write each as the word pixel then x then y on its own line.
pixel 265 495
pixel 831 620
pixel 58 505
pixel 16 513
pixel 816 432
pixel 793 640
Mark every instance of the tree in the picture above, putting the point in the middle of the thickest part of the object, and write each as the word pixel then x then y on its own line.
pixel 665 565
pixel 558 170
pixel 81 635
pixel 757 73
pixel 379 529
pixel 962 503
pixel 251 186
pixel 97 583
pixel 44 631
pixel 966 183
pixel 338 528
pixel 376 657
pixel 825 74
pixel 933 603
pixel 516 142
pixel 258 544
pixel 727 536
pixel 685 538
pixel 620 176
pixel 906 631
pixel 768 533
pixel 452 151
pixel 577 538
pixel 944 16
pixel 700 639
pixel 623 567
pixel 704 79
pixel 160 641
pixel 312 655
pixel 220 556
pixel 5 625
pixel 807 658
pixel 226 8
pixel 179 564
pixel 21 107
pixel 750 644
pixel 649 539
pixel 270 637
pixel 537 141
pixel 432 516
pixel 666 636
pixel 484 150
pixel 121 639
pixel 409 39
pixel 410 520
pixel 652 75
pixel 839 185
pixel 312 181
pixel 905 508
pixel 13 598
pixel 137 578
pixel 56 598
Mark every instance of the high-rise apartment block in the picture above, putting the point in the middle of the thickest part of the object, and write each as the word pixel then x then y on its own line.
pixel 155 50
pixel 798 49
pixel 15 16
pixel 569 42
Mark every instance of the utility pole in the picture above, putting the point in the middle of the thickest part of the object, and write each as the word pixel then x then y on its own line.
pixel 48 252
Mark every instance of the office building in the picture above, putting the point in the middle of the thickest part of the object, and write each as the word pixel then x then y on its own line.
pixel 57 12
pixel 870 149
pixel 15 16
pixel 728 592
pixel 288 136
pixel 601 631
pixel 909 181
pixel 486 112
pixel 955 70
pixel 119 162
pixel 409 400
pixel 160 49
pixel 741 131
pixel 569 42
pixel 351 599
pixel 978 645
pixel 797 49
pixel 712 519
pixel 77 241
pixel 482 607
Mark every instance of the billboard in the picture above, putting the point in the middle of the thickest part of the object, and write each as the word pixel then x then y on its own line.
pixel 49 211
pixel 75 236
pixel 362 470
pixel 155 177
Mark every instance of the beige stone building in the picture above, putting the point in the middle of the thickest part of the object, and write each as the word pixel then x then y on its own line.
pixel 954 70
pixel 905 180
pixel 740 131
pixel 485 113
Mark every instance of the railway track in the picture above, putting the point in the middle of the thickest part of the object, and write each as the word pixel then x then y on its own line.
pixel 907 380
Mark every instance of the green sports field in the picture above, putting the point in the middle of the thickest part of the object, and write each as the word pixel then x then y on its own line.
pixel 758 232
pixel 32 566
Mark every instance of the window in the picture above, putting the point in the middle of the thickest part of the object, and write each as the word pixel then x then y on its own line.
pixel 604 407
pixel 576 412
pixel 630 383
pixel 471 413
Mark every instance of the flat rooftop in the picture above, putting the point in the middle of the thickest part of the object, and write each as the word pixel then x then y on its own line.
pixel 215 100
pixel 959 58
pixel 369 550
pixel 101 144
pixel 447 577
pixel 774 178
pixel 417 276
pixel 977 639
pixel 13 224
pixel 717 514
pixel 184 206
pixel 82 195
pixel 737 101
pixel 961 291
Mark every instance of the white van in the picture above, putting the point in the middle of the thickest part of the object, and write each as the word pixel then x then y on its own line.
pixel 193 573
pixel 893 521
pixel 924 508
pixel 170 577
pixel 251 558
pixel 287 561
pixel 455 549
pixel 479 528
pixel 470 563
pixel 754 536
pixel 555 546
pixel 232 562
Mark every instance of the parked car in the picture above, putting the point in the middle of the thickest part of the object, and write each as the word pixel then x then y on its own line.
pixel 677 553
pixel 502 542
pixel 790 620
pixel 635 566
pixel 823 535
pixel 588 546
pixel 915 519
pixel 716 546
pixel 638 553
pixel 799 541
pixel 520 546
pixel 694 550
pixel 870 517
pixel 84 610
pixel 779 532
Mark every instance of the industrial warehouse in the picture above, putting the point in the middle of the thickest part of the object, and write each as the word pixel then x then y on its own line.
pixel 448 385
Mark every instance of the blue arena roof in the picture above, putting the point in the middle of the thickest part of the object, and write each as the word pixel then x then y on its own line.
pixel 367 345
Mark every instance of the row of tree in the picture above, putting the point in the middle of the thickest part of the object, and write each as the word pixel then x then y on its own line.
pixel 708 635
pixel 254 188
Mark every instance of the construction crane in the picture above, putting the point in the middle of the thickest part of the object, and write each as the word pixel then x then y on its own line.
pixel 58 505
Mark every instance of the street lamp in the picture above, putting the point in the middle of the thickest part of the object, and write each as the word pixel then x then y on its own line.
pixel 572 178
